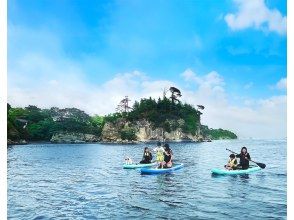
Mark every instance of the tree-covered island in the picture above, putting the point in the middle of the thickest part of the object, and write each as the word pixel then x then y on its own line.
pixel 166 118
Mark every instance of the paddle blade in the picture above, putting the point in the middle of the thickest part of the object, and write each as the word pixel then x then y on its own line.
pixel 261 165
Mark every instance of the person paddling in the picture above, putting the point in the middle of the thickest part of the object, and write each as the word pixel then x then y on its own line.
pixel 261 165
pixel 244 158
pixel 147 156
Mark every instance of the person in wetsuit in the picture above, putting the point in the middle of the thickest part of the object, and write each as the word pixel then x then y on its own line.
pixel 147 156
pixel 244 158
pixel 167 162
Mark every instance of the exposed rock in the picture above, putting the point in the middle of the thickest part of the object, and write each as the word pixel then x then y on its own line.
pixel 73 138
pixel 110 133
pixel 19 142
pixel 144 132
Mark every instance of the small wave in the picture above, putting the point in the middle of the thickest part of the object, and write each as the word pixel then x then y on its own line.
pixel 41 217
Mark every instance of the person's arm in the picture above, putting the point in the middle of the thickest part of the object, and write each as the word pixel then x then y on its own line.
pixel 248 156
pixel 238 155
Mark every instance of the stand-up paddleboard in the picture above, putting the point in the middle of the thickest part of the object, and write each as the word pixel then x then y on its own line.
pixel 235 172
pixel 138 165
pixel 160 171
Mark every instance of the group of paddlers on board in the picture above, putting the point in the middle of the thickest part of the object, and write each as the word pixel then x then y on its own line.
pixel 244 159
pixel 243 163
pixel 164 156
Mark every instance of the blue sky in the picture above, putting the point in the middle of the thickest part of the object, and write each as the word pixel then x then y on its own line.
pixel 161 39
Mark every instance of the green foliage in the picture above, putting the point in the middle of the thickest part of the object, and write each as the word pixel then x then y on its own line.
pixel 42 130
pixel 15 113
pixel 12 132
pixel 112 117
pixel 167 126
pixel 128 133
pixel 163 113
pixel 97 120
pixel 32 123
pixel 34 114
pixel 217 134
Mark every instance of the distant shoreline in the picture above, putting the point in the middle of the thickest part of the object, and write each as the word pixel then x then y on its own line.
pixel 138 142
pixel 105 142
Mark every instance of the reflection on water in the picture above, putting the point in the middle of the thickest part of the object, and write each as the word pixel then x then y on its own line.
pixel 88 182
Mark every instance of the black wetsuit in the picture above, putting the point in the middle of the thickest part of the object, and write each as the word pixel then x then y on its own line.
pixel 147 157
pixel 167 158
pixel 244 163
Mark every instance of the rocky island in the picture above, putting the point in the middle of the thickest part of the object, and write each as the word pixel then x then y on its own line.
pixel 165 119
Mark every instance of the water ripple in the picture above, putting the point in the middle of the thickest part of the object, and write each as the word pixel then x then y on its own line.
pixel 88 182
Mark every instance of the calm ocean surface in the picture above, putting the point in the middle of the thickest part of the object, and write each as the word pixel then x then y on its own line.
pixel 86 181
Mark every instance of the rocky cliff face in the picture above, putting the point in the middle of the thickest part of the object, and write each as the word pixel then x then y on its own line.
pixel 110 133
pixel 144 132
pixel 147 133
pixel 74 138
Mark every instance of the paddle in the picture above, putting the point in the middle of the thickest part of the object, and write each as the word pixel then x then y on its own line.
pixel 261 165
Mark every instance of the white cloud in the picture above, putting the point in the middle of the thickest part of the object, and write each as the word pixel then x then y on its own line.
pixel 210 79
pixel 261 118
pixel 44 82
pixel 265 118
pixel 282 84
pixel 38 74
pixel 255 14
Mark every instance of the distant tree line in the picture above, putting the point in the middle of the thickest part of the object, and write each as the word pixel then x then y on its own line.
pixel 216 134
pixel 34 124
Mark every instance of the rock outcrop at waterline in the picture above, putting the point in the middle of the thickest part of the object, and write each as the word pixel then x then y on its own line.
pixel 74 138
pixel 19 142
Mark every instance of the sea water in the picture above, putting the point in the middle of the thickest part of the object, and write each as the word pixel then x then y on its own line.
pixel 87 181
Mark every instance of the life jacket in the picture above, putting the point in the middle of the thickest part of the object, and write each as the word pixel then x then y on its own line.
pixel 159 156
pixel 232 162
